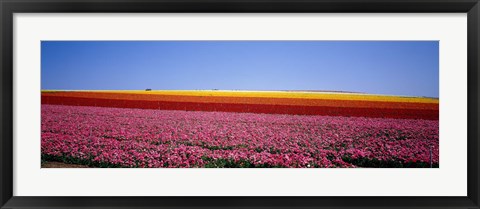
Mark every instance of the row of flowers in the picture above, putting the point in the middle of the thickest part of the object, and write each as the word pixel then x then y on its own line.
pixel 120 137
pixel 426 104
pixel 335 108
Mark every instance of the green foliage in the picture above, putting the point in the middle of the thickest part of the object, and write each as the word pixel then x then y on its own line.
pixel 72 160
pixel 230 163
pixel 375 163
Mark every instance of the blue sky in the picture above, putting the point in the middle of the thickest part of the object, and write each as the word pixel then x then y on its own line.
pixel 381 67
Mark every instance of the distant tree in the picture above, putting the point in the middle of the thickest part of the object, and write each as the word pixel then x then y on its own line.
pixel 148 89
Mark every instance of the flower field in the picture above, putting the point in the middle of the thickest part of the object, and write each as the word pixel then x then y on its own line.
pixel 185 129
pixel 264 102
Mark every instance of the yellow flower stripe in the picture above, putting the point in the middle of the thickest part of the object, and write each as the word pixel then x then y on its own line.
pixel 278 94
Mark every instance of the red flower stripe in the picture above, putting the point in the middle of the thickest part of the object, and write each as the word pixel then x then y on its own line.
pixel 372 112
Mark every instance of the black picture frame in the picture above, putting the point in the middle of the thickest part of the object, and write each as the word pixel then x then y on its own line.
pixel 9 7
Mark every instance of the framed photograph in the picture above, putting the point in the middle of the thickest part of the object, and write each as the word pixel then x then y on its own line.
pixel 239 104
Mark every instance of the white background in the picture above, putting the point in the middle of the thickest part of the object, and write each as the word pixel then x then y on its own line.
pixel 449 180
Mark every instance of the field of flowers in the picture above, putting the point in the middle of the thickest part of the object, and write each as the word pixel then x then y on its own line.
pixel 296 103
pixel 106 136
